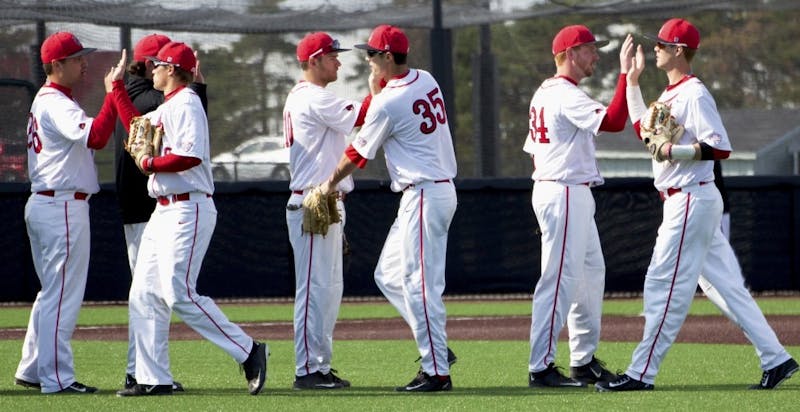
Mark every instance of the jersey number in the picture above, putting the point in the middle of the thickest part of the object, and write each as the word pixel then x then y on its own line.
pixel 33 136
pixel 431 116
pixel 539 131
pixel 288 132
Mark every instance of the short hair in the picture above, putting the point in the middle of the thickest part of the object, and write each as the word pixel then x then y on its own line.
pixel 48 68
pixel 560 57
pixel 400 58
pixel 184 75
pixel 304 65
pixel 689 54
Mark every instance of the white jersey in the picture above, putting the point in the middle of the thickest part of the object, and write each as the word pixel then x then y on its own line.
pixel 315 124
pixel 692 106
pixel 564 121
pixel 58 133
pixel 409 120
pixel 185 134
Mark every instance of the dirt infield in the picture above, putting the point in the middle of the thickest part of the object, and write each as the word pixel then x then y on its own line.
pixel 696 329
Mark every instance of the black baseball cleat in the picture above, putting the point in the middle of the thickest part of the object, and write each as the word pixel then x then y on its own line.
pixel 77 387
pixel 552 378
pixel 773 377
pixel 427 383
pixel 146 390
pixel 592 372
pixel 623 383
pixel 255 367
pixel 130 382
pixel 318 380
pixel 26 384
pixel 332 373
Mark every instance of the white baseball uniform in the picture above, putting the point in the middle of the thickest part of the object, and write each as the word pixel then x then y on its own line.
pixel 690 243
pixel 408 119
pixel 63 175
pixel 564 121
pixel 173 245
pixel 315 124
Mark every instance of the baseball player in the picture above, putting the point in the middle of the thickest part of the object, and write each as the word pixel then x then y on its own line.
pixel 689 242
pixel 407 118
pixel 61 144
pixel 316 123
pixel 135 204
pixel 177 235
pixel 564 122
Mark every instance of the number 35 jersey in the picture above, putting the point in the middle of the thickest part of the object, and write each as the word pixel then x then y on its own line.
pixel 408 119
pixel 564 121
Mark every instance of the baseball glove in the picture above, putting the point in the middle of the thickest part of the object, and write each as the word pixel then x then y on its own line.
pixel 658 128
pixel 144 139
pixel 319 212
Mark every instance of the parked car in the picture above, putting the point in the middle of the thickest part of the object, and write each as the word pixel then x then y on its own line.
pixel 13 161
pixel 259 158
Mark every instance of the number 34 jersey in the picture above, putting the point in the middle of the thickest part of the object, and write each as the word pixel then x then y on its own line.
pixel 564 121
pixel 408 119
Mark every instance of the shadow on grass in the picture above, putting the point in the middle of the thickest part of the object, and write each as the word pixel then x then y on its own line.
pixel 383 392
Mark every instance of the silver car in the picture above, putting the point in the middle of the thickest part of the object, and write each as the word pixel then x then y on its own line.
pixel 259 158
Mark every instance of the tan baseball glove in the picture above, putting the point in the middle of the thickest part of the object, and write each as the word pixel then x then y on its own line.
pixel 320 211
pixel 144 139
pixel 658 128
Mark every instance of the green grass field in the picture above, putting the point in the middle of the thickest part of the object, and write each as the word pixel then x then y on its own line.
pixel 490 375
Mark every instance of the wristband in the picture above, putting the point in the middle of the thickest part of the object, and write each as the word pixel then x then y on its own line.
pixel 682 152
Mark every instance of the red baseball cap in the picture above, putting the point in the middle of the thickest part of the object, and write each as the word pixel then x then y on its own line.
pixel 149 46
pixel 62 45
pixel 572 36
pixel 386 38
pixel 317 44
pixel 677 32
pixel 177 54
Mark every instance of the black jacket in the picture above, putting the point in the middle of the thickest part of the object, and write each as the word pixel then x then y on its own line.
pixel 135 204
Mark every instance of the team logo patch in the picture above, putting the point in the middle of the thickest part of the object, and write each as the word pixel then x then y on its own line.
pixel 82 126
pixel 349 107
pixel 187 146
pixel 361 142
pixel 715 139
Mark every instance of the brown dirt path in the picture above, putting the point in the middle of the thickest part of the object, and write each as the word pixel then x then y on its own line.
pixel 696 329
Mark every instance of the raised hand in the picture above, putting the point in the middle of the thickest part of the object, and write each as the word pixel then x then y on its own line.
pixel 626 54
pixel 198 75
pixel 116 72
pixel 637 67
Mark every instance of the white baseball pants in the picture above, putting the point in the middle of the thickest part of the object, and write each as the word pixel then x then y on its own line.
pixel 318 289
pixel 173 246
pixel 59 232
pixel 572 280
pixel 690 222
pixel 411 268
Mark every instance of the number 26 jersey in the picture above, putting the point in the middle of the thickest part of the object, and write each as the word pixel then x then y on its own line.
pixel 408 119
pixel 564 121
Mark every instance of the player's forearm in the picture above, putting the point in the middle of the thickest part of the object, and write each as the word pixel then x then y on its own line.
pixel 103 124
pixel 169 163
pixel 636 106
pixel 343 169
pixel 617 111
pixel 124 106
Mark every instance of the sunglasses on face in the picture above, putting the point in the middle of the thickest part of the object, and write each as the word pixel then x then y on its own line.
pixel 666 46
pixel 373 53
pixel 156 64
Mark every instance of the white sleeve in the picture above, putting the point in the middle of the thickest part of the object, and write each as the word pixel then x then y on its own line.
pixel 377 127
pixel 583 112
pixel 336 113
pixel 636 106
